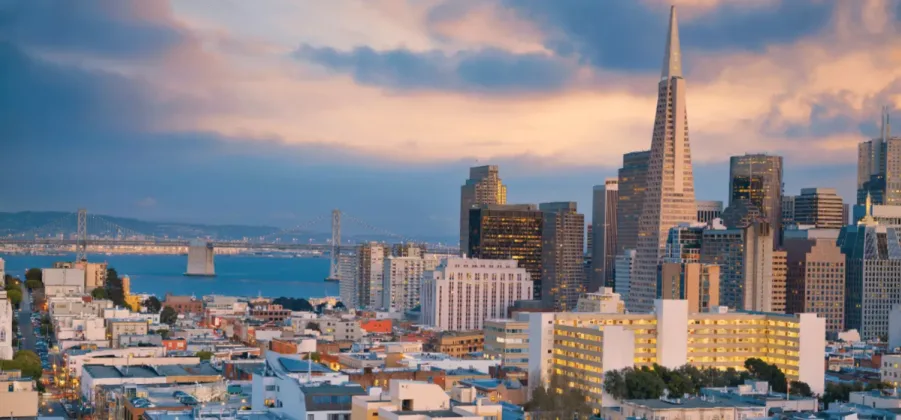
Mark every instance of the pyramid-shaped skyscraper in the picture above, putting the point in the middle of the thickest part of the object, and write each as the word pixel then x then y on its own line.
pixel 670 192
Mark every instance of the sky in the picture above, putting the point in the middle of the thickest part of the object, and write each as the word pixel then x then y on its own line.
pixel 230 111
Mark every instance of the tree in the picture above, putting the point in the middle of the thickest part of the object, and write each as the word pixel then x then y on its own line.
pixel 162 333
pixel 168 315
pixel 14 296
pixel 294 304
pixel 313 326
pixel 340 306
pixel 770 373
pixel 153 304
pixel 799 388
pixel 26 361
pixel 114 287
pixel 615 383
pixel 34 274
pixel 560 401
pixel 204 355
pixel 99 293
pixel 314 355
pixel 33 284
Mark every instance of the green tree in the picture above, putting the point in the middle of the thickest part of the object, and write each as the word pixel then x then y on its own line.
pixel 14 296
pixel 615 383
pixel 99 293
pixel 294 304
pixel 644 384
pixel 114 287
pixel 33 284
pixel 162 333
pixel 26 361
pixel 770 373
pixel 340 306
pixel 313 326
pixel 168 316
pixel 559 401
pixel 315 356
pixel 34 274
pixel 204 355
pixel 800 388
pixel 153 304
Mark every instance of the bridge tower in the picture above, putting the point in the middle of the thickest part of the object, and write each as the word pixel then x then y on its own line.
pixel 81 240
pixel 336 245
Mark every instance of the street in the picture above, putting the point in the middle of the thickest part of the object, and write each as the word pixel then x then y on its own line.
pixel 28 339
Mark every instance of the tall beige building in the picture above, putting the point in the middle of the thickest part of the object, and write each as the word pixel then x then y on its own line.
pixel 780 280
pixel 816 275
pixel 670 195
pixel 697 283
pixel 484 186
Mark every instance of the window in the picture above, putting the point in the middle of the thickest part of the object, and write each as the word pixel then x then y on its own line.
pixel 309 417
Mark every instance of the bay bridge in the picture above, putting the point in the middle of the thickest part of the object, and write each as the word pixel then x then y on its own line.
pixel 125 237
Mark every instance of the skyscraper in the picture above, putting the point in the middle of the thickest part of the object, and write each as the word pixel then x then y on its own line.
pixel 816 275
pixel 508 231
pixel 563 277
pixel 819 207
pixel 603 246
pixel 758 178
pixel 632 181
pixel 484 186
pixel 879 167
pixel 670 196
pixel 745 256
pixel 709 210
pixel 370 273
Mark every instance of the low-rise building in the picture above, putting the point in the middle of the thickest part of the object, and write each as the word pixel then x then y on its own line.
pixel 63 282
pixel 118 327
pixel 184 304
pixel 460 343
pixel 890 370
pixel 758 393
pixel 888 399
pixel 361 360
pixel 507 340
pixel 687 408
pixel 604 300
pixel 411 400
pixel 18 396
pixel 339 328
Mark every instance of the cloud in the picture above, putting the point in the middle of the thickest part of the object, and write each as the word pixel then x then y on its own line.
pixel 488 70
pixel 146 202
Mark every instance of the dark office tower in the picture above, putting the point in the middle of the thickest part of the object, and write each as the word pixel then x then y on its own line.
pixel 632 181
pixel 709 210
pixel 603 228
pixel 758 178
pixel 503 232
pixel 484 186
pixel 563 276
pixel 819 207
pixel 879 167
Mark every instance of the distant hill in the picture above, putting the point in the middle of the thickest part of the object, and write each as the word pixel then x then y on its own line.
pixel 51 223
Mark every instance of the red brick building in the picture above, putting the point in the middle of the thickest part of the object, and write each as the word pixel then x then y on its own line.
pixel 184 304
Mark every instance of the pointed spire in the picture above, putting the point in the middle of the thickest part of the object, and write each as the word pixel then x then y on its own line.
pixel 672 60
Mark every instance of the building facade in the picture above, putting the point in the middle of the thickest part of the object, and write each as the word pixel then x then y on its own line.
pixel 603 234
pixel 780 280
pixel 758 178
pixel 461 343
pixel 6 327
pixel 402 280
pixel 513 231
pixel 604 300
pixel 632 181
pixel 370 273
pixel 696 283
pixel 745 257
pixel 670 194
pixel 709 210
pixel 348 273
pixel 462 293
pixel 872 270
pixel 507 340
pixel 819 207
pixel 563 274
pixel 585 346
pixel 625 264
pixel 816 276
pixel 484 186
pixel 879 167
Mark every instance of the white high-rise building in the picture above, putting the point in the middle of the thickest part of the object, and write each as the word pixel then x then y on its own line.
pixel 670 195
pixel 462 293
pixel 402 280
pixel 370 266
pixel 6 327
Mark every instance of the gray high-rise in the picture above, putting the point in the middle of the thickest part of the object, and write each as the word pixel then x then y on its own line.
pixel 879 167
pixel 484 186
pixel 562 277
pixel 603 234
pixel 758 178
pixel 632 182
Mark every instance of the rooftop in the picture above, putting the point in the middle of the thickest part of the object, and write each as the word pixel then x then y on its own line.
pixel 430 413
pixel 301 366
pixel 687 403
pixel 109 372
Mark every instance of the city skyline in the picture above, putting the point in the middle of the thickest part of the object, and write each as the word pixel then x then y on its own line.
pixel 182 147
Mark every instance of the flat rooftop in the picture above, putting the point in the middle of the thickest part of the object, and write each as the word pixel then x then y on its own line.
pixel 688 403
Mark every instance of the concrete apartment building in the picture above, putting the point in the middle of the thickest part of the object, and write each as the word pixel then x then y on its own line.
pixel 413 400
pixel 484 186
pixel 348 283
pixel 562 253
pixel 462 293
pixel 602 236
pixel 339 328
pixel 184 305
pixel 119 327
pixel 18 396
pixel 780 280
pixel 581 347
pixel 460 343
pixel 402 279
pixel 507 340
pixel 63 282
pixel 604 300
pixel 816 275
pixel 370 273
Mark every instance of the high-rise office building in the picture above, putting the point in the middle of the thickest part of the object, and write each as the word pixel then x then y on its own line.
pixel 508 231
pixel 402 279
pixel 816 275
pixel 683 244
pixel 670 195
pixel 348 280
pixel 632 181
pixel 758 178
pixel 709 210
pixel 563 275
pixel 603 242
pixel 788 210
pixel 625 264
pixel 697 283
pixel 879 167
pixel 462 293
pixel 872 275
pixel 819 207
pixel 746 263
pixel 370 273
pixel 741 213
pixel 780 280
pixel 484 186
